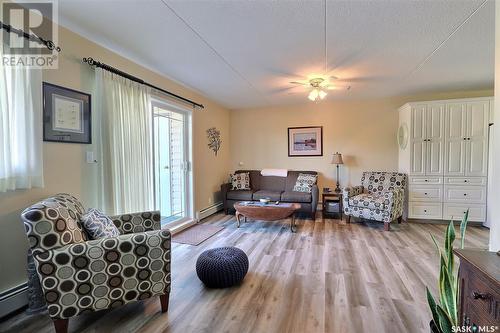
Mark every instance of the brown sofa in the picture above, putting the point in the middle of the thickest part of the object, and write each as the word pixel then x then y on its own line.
pixel 276 188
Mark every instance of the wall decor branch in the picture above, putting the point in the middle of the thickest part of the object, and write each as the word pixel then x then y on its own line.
pixel 214 140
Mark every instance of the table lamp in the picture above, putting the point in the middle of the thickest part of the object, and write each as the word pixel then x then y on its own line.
pixel 337 159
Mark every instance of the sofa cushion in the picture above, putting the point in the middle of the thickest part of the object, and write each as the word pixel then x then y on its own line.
pixel 54 222
pixel 305 182
pixel 239 195
pixel 98 225
pixel 272 183
pixel 240 181
pixel 366 200
pixel 377 182
pixel 293 196
pixel 273 195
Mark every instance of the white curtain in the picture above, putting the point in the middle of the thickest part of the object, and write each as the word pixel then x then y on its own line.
pixel 125 142
pixel 21 160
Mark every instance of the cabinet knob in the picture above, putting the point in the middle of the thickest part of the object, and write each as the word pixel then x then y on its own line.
pixel 425 210
pixel 468 139
pixel 425 193
pixel 465 139
pixel 478 295
pixel 465 181
pixel 465 194
pixel 426 180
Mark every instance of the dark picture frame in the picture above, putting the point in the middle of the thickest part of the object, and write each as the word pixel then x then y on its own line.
pixel 66 115
pixel 305 141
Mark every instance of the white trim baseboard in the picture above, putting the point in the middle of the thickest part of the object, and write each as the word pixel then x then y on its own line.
pixel 180 227
pixel 206 212
pixel 13 299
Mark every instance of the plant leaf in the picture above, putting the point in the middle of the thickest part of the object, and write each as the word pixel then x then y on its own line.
pixel 435 243
pixel 444 320
pixel 432 306
pixel 463 227
pixel 450 238
pixel 448 293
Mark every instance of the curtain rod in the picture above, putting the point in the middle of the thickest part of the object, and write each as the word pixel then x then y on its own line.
pixel 92 62
pixel 32 37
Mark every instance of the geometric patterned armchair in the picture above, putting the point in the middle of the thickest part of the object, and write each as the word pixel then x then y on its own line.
pixel 380 197
pixel 78 275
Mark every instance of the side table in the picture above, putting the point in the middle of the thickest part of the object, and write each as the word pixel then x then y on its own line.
pixel 331 197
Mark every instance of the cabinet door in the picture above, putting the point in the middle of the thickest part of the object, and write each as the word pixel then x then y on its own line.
pixel 455 139
pixel 417 140
pixel 476 157
pixel 435 139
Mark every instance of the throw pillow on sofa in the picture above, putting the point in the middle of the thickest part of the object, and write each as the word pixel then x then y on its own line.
pixel 240 181
pixel 305 182
pixel 98 225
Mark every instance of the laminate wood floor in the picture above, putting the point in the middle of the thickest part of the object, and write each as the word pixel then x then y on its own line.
pixel 327 277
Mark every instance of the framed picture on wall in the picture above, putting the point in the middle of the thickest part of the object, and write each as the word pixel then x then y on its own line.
pixel 66 115
pixel 305 141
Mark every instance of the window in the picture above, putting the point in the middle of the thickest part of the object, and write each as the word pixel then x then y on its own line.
pixel 21 162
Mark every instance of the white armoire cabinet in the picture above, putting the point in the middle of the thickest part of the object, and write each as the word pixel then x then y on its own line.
pixel 444 151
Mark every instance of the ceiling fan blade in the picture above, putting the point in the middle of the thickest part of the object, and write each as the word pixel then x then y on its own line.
pixel 284 89
pixel 335 87
pixel 333 77
pixel 301 83
pixel 366 79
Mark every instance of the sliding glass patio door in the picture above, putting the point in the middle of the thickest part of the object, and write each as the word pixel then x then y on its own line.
pixel 172 163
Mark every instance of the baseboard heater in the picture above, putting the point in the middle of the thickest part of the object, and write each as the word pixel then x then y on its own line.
pixel 13 299
pixel 206 212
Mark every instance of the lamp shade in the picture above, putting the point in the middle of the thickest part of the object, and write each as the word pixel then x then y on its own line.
pixel 337 158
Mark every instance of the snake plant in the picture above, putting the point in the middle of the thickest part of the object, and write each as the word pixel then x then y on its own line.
pixel 445 313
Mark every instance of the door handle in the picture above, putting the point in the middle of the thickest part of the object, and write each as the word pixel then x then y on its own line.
pixel 166 167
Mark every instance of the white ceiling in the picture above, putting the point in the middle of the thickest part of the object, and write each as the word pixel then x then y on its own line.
pixel 243 53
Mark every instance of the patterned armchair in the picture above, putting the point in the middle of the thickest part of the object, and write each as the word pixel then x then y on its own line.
pixel 379 198
pixel 79 275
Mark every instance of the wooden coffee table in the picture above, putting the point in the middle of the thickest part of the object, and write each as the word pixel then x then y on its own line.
pixel 266 212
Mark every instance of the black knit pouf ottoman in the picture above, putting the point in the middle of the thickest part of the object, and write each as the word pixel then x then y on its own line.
pixel 222 267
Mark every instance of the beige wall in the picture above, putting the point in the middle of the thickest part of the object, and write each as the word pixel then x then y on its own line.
pixel 65 169
pixel 363 131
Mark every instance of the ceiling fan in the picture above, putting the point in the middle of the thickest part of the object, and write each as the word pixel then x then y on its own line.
pixel 320 83
pixel 318 86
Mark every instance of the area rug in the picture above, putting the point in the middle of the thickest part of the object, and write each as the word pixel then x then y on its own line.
pixel 196 234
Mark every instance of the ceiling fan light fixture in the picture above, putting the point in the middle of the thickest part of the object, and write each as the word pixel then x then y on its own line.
pixel 322 94
pixel 313 94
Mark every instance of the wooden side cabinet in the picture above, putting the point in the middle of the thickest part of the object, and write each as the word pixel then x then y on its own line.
pixel 334 198
pixel 479 289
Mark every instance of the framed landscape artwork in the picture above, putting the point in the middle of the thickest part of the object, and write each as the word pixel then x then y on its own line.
pixel 305 141
pixel 66 115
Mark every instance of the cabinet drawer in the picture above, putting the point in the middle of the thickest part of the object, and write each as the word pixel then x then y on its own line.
pixel 477 213
pixel 425 193
pixel 481 298
pixel 420 180
pixel 466 194
pixel 425 210
pixel 465 180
